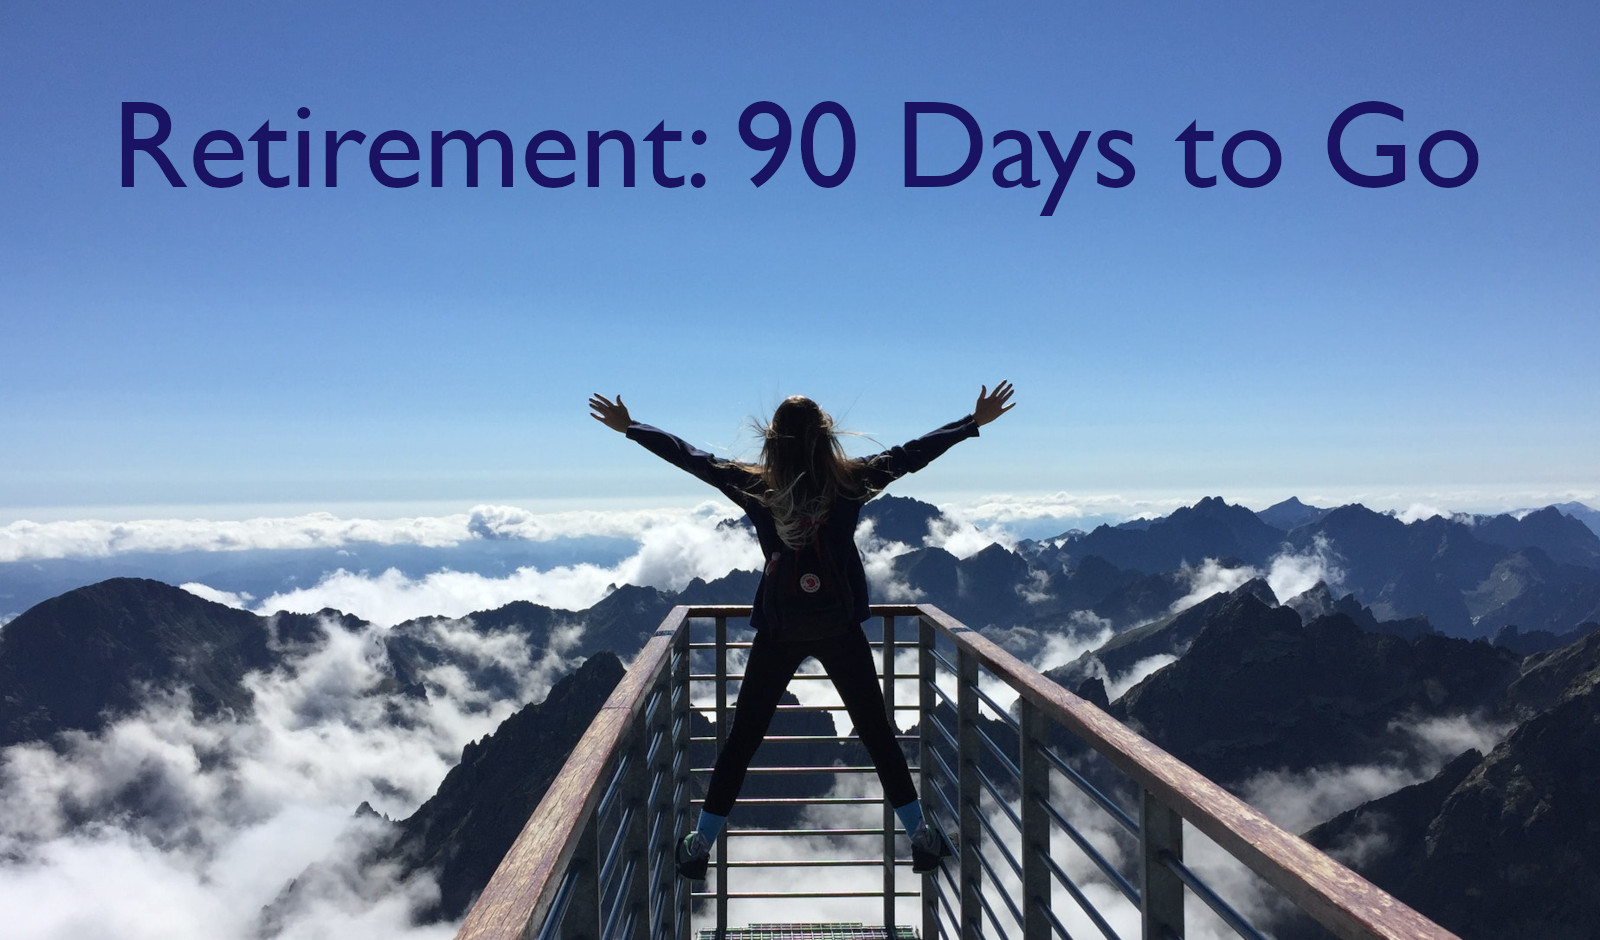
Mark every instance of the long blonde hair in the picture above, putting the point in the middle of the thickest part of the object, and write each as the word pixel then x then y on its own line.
pixel 803 469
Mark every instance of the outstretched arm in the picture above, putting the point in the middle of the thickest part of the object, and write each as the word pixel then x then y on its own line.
pixel 724 476
pixel 612 414
pixel 914 455
pixel 990 405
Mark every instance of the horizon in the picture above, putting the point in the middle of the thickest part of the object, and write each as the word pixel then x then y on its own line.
pixel 1135 504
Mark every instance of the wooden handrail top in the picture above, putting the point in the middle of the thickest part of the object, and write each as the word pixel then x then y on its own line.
pixel 524 884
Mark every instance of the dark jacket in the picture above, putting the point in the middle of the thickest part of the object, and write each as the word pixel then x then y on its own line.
pixel 838 533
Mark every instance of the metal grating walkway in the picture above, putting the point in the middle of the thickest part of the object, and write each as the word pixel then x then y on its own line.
pixel 809 932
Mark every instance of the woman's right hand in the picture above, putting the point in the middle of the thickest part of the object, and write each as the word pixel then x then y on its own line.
pixel 612 414
pixel 992 405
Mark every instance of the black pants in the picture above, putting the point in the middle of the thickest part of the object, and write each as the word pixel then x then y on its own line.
pixel 848 662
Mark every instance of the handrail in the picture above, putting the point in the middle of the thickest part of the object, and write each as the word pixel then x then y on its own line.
pixel 553 867
pixel 524 885
pixel 1344 902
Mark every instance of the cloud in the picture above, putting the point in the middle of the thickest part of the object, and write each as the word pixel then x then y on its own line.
pixel 1301 799
pixel 1416 512
pixel 238 600
pixel 1290 574
pixel 672 551
pixel 96 538
pixel 1210 578
pixel 877 557
pixel 1066 508
pixel 162 825
pixel 962 537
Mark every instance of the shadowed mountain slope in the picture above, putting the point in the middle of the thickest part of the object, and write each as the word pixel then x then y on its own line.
pixel 1504 845
pixel 1259 691
pixel 71 662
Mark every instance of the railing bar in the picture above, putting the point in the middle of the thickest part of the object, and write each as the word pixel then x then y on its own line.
pixel 944 732
pixel 1117 812
pixel 983 902
pixel 603 808
pixel 808 676
pixel 626 881
pixel 801 832
pixel 769 895
pixel 1094 854
pixel 938 721
pixel 994 837
pixel 997 751
pixel 1000 799
pixel 612 854
pixel 1202 890
pixel 949 909
pixel 939 658
pixel 1000 713
pixel 945 697
pixel 1083 901
pixel 803 738
pixel 808 863
pixel 806 801
pixel 711 709
pixel 653 796
pixel 1005 896
pixel 1060 928
pixel 836 769
pixel 558 908
pixel 949 775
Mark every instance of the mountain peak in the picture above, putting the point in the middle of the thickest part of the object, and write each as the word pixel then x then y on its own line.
pixel 79 659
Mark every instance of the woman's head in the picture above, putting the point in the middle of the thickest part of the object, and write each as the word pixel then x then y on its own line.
pixel 803 466
pixel 799 439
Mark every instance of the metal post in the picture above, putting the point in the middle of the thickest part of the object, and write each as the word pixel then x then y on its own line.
pixel 680 774
pixel 660 815
pixel 927 672
pixel 888 811
pixel 1160 833
pixel 967 791
pixel 633 795
pixel 1033 734
pixel 722 737
pixel 583 912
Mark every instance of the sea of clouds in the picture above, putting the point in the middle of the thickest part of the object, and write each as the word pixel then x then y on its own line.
pixel 165 826
pixel 170 827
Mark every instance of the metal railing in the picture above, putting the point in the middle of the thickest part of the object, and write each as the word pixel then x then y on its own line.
pixel 1066 823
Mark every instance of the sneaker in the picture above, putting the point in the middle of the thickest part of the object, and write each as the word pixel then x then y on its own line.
pixel 693 854
pixel 928 849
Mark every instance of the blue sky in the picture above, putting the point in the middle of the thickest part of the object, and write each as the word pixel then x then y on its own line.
pixel 199 348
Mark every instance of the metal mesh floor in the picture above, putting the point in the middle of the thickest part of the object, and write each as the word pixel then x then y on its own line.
pixel 810 932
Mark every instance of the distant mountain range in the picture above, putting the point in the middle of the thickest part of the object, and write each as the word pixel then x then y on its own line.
pixel 1495 842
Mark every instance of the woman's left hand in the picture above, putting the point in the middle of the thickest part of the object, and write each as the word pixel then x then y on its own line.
pixel 612 414
pixel 992 405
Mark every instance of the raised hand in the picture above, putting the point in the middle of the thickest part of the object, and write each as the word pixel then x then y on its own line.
pixel 992 405
pixel 612 414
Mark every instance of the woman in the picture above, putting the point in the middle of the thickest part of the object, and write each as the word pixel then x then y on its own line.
pixel 804 498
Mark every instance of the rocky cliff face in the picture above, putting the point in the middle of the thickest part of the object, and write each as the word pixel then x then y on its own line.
pixel 1259 691
pixel 463 831
pixel 1503 845
pixel 74 661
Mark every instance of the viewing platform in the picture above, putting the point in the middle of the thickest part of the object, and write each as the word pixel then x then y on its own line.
pixel 1066 823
